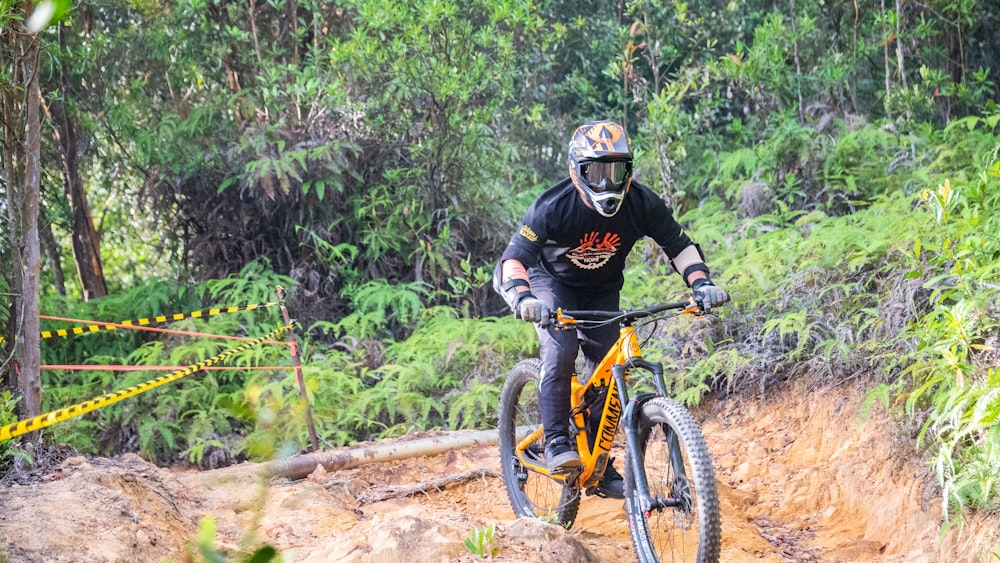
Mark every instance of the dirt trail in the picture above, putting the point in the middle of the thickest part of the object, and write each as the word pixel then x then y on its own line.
pixel 801 478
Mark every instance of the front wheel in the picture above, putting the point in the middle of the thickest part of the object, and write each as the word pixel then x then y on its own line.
pixel 532 494
pixel 678 467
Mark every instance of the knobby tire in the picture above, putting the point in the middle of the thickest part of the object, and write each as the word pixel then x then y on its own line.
pixel 532 495
pixel 677 465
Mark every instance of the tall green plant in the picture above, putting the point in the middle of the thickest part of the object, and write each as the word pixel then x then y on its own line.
pixel 948 385
pixel 446 72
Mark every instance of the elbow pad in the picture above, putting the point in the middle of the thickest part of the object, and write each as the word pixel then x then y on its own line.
pixel 691 254
pixel 512 290
pixel 690 260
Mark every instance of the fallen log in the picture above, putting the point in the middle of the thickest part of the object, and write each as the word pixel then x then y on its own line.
pixel 301 466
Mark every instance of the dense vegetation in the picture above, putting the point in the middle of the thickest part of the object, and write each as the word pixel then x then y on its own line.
pixel 837 160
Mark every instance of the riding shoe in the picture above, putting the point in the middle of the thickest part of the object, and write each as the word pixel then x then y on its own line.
pixel 612 484
pixel 561 455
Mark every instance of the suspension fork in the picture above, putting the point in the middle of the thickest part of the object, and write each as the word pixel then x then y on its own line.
pixel 656 369
pixel 630 419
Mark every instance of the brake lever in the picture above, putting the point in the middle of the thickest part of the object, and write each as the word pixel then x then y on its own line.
pixel 560 321
pixel 697 308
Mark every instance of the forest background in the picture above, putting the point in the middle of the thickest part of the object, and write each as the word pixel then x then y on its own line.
pixel 837 160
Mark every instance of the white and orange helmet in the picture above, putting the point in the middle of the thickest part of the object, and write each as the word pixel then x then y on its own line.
pixel 600 165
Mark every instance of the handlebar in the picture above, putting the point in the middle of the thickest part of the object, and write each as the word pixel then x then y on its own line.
pixel 569 317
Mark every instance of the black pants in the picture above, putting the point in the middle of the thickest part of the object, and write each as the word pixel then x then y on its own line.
pixel 559 348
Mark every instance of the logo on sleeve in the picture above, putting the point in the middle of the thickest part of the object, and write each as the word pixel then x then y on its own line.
pixel 594 251
pixel 527 233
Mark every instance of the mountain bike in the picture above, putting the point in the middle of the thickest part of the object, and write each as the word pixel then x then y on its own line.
pixel 671 499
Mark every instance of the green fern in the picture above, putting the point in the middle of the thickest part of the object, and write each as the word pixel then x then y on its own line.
pixel 475 408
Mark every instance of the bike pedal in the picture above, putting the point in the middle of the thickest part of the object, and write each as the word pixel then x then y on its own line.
pixel 570 474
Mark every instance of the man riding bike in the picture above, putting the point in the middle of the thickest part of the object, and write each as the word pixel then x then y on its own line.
pixel 569 252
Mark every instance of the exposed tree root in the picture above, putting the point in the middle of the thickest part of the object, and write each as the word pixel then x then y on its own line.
pixel 386 492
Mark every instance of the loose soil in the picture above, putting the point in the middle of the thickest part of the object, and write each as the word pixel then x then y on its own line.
pixel 802 477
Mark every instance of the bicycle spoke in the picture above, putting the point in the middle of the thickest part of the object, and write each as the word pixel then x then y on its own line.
pixel 674 530
pixel 681 481
pixel 531 493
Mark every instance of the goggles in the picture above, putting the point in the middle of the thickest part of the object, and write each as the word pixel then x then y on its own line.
pixel 606 176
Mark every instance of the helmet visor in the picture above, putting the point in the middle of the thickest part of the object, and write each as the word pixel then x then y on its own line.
pixel 606 176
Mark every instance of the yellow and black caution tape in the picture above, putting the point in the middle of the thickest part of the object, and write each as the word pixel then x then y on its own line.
pixel 159 319
pixel 48 419
pixel 150 321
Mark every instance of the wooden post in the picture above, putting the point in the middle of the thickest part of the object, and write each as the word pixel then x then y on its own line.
pixel 294 349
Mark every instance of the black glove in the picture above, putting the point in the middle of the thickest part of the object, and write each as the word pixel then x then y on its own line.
pixel 708 294
pixel 533 310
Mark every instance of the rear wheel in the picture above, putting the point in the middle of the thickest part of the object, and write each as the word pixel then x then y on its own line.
pixel 532 494
pixel 678 467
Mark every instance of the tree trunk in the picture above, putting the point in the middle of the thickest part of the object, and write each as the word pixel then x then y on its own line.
pixel 798 65
pixel 29 377
pixel 854 59
pixel 22 209
pixel 301 466
pixel 86 241
pixel 885 52
pixel 956 67
pixel 11 124
pixel 899 44
pixel 52 253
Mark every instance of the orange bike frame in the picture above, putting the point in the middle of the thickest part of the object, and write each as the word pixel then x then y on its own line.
pixel 594 460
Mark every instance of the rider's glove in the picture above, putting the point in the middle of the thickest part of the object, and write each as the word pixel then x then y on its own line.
pixel 531 309
pixel 708 294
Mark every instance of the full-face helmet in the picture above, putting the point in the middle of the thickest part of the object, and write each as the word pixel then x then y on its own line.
pixel 600 165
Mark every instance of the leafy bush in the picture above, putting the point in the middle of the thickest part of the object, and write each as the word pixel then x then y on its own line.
pixel 952 387
pixel 447 374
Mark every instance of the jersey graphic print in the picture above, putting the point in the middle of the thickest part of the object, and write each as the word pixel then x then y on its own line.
pixel 594 251
pixel 527 233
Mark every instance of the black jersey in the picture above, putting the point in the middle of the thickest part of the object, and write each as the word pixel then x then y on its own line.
pixel 579 247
